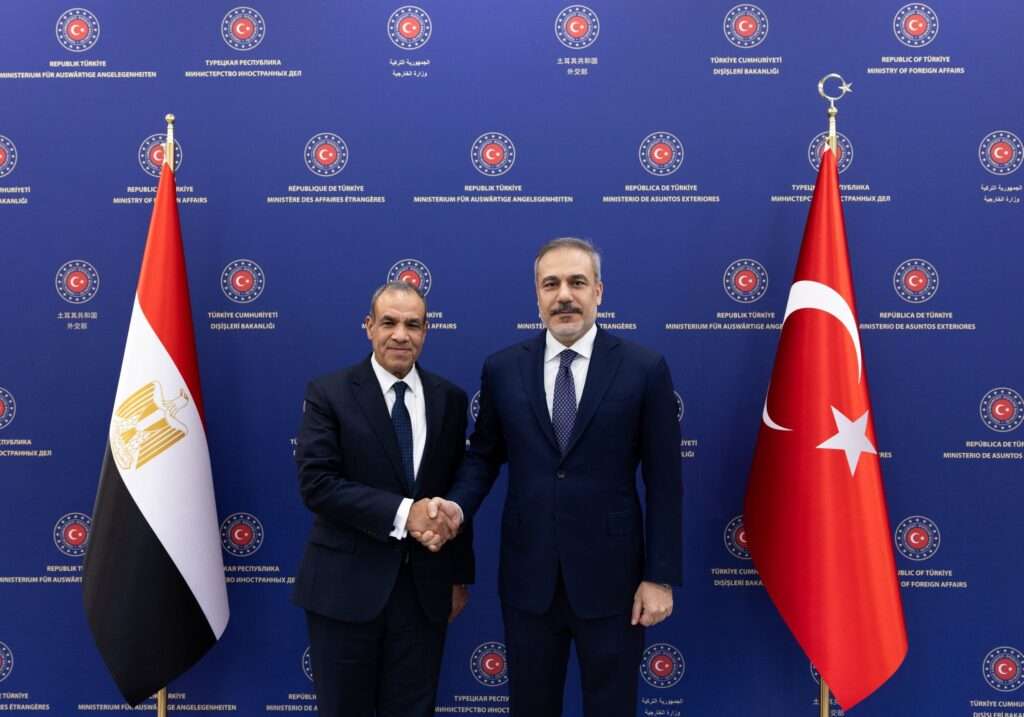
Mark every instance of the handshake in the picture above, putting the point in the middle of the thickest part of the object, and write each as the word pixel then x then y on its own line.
pixel 433 522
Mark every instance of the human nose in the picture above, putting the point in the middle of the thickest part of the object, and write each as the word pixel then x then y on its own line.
pixel 564 295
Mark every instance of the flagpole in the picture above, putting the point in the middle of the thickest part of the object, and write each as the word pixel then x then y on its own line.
pixel 844 87
pixel 161 695
pixel 824 699
pixel 169 147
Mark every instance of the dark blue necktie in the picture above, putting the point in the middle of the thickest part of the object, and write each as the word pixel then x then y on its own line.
pixel 563 404
pixel 403 431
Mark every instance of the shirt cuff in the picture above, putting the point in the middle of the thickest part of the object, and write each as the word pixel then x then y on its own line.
pixel 401 518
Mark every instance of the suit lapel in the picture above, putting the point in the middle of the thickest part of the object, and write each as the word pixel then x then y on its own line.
pixel 434 398
pixel 604 363
pixel 531 369
pixel 371 402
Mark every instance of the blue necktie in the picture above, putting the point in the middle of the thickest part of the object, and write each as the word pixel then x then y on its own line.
pixel 563 405
pixel 403 431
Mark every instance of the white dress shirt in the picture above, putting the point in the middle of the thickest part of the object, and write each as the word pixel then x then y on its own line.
pixel 584 347
pixel 417 407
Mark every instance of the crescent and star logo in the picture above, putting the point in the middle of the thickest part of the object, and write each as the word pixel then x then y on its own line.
pixel 577 27
pixel 816 676
pixel 489 664
pixel 8 156
pixel 735 538
pixel 745 26
pixel 917 538
pixel 326 154
pixel 409 27
pixel 745 280
pixel 151 154
pixel 662 665
pixel 1002 669
pixel 474 406
pixel 1001 152
pixel 915 281
pixel 243 281
pixel 307 664
pixel 78 30
pixel 241 534
pixel 411 271
pixel 851 434
pixel 243 28
pixel 1002 409
pixel 7 408
pixel 915 25
pixel 661 153
pixel 71 534
pixel 844 151
pixel 6 661
pixel 77 281
pixel 492 154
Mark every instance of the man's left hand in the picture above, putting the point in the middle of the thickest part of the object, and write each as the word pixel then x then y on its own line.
pixel 652 603
pixel 460 597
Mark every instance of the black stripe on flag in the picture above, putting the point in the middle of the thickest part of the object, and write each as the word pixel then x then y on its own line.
pixel 144 617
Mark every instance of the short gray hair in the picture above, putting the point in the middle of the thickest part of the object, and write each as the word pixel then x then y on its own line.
pixel 400 286
pixel 570 243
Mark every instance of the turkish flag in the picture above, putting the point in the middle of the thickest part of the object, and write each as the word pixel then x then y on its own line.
pixel 815 511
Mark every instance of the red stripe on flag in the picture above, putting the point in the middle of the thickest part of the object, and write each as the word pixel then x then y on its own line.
pixel 163 286
pixel 824 255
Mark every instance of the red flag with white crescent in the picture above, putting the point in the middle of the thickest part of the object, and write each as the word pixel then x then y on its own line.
pixel 153 580
pixel 815 511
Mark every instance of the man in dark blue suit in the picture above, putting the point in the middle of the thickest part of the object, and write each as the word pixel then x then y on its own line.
pixel 375 437
pixel 574 412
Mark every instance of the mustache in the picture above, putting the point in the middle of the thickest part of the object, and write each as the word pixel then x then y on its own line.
pixel 566 308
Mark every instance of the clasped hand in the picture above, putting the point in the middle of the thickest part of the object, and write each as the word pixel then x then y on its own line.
pixel 433 522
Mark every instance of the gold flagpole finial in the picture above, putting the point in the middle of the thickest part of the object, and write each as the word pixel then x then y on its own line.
pixel 169 148
pixel 844 87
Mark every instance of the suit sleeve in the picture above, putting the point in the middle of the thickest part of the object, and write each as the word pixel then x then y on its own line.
pixel 662 476
pixel 485 455
pixel 462 546
pixel 324 487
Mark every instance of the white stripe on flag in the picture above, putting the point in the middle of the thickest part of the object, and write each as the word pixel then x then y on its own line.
pixel 174 489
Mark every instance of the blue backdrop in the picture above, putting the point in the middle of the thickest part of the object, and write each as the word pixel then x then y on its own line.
pixel 326 145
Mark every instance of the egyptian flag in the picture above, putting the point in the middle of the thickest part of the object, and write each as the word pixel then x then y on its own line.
pixel 153 578
pixel 815 512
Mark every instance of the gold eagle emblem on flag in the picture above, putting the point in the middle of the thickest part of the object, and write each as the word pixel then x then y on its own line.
pixel 145 425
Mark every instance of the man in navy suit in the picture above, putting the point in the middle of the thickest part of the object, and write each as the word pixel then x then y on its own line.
pixel 574 412
pixel 375 437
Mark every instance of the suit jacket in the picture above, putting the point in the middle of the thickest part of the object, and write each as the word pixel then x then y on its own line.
pixel 580 512
pixel 351 477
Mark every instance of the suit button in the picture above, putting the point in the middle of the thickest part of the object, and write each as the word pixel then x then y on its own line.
pixel 560 474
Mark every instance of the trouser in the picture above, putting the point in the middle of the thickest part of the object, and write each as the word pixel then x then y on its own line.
pixel 608 649
pixel 387 667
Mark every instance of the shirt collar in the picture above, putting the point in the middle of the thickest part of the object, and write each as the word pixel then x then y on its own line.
pixel 584 345
pixel 387 380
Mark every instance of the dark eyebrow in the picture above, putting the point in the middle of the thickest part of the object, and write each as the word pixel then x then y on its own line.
pixel 574 277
